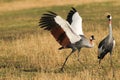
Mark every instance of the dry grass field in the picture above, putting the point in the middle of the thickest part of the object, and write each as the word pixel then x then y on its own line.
pixel 27 52
pixel 10 5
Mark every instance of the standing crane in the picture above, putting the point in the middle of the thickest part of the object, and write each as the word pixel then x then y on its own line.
pixel 107 44
pixel 68 33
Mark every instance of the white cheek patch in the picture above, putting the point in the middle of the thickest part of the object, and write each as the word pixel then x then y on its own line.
pixel 91 38
pixel 110 17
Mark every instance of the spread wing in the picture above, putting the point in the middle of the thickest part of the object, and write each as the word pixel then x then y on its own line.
pixel 75 20
pixel 59 28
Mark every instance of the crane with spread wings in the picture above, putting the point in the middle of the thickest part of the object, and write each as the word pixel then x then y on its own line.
pixel 68 33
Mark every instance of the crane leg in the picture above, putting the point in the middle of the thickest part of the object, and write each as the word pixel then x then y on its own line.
pixel 111 60
pixel 79 58
pixel 112 64
pixel 73 50
pixel 78 54
pixel 99 63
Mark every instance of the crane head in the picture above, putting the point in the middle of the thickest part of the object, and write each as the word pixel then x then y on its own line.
pixel 92 37
pixel 109 16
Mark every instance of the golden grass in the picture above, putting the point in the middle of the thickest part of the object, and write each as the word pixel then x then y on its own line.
pixel 36 57
pixel 39 52
pixel 26 4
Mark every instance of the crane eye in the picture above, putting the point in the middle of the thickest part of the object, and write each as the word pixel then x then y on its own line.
pixel 108 16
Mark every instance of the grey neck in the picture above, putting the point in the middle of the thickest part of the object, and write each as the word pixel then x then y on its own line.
pixel 110 27
pixel 110 30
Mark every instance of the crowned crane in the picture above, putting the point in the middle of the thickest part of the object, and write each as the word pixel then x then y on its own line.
pixel 107 44
pixel 68 33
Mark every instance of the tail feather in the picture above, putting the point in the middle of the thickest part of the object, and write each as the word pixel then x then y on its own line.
pixel 102 55
pixel 61 48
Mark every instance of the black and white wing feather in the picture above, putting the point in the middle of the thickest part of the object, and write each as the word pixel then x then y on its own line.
pixel 60 29
pixel 75 20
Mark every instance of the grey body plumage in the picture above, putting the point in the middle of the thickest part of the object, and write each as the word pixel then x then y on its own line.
pixel 105 46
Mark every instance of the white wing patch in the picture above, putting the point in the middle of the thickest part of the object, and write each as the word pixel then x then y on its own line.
pixel 76 24
pixel 67 28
